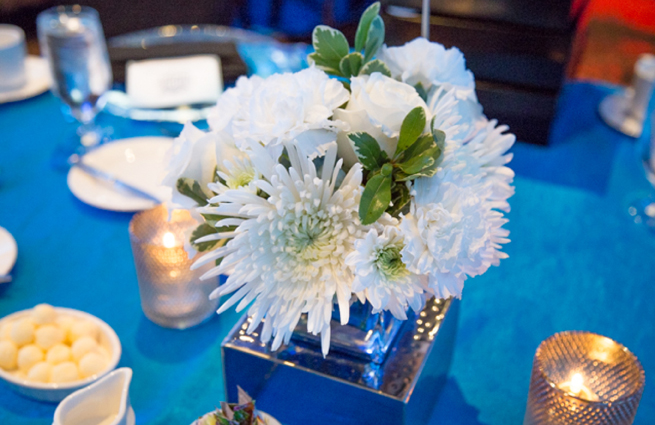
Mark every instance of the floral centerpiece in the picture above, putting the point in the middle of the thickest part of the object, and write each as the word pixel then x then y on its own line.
pixel 372 173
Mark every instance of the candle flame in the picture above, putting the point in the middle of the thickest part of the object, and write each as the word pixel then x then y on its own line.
pixel 576 383
pixel 169 240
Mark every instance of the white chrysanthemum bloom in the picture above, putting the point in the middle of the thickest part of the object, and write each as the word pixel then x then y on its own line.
pixel 283 108
pixel 288 251
pixel 486 154
pixel 381 275
pixel 454 228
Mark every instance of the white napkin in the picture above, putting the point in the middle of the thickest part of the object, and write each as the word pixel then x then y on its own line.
pixel 165 83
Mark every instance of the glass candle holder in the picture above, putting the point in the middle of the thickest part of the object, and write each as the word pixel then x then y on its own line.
pixel 172 295
pixel 583 378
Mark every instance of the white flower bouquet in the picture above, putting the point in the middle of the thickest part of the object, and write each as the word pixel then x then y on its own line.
pixel 372 173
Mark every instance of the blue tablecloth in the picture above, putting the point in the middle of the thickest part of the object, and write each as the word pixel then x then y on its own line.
pixel 576 262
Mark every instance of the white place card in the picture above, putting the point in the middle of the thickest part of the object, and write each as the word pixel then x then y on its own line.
pixel 166 83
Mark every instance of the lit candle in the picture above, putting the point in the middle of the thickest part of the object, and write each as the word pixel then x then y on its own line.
pixel 565 369
pixel 172 294
pixel 576 387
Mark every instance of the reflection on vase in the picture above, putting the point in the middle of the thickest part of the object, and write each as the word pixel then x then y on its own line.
pixel 367 335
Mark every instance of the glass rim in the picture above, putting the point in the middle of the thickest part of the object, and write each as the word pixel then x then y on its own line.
pixel 540 368
pixel 134 237
pixel 69 10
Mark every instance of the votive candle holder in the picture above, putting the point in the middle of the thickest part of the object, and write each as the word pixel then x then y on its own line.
pixel 583 378
pixel 172 295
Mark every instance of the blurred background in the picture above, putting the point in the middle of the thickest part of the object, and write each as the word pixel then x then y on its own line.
pixel 520 51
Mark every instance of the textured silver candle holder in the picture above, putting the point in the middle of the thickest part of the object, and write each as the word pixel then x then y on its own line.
pixel 583 378
pixel 172 295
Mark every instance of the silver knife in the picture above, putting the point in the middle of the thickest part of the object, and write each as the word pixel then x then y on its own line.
pixel 76 161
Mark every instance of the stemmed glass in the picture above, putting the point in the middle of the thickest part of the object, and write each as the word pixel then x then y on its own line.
pixel 72 40
pixel 643 210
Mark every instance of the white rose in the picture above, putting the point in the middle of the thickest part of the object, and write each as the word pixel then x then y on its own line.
pixel 421 61
pixel 193 155
pixel 378 105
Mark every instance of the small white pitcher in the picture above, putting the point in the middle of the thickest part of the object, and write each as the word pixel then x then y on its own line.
pixel 105 402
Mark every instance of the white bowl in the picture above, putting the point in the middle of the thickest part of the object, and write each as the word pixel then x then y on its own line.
pixel 57 392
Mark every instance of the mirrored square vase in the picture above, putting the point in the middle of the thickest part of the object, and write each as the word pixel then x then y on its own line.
pixel 379 370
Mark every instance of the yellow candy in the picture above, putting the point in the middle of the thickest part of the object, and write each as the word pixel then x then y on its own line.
pixel 65 323
pixel 64 372
pixel 83 328
pixel 28 356
pixel 8 355
pixel 5 331
pixel 22 332
pixel 40 372
pixel 91 364
pixel 82 346
pixel 44 314
pixel 48 336
pixel 58 354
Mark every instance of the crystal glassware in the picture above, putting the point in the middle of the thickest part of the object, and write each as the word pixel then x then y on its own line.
pixel 72 40
pixel 172 295
pixel 583 378
pixel 642 210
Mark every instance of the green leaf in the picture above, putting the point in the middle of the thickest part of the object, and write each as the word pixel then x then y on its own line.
pixel 368 151
pixel 203 230
pixel 439 138
pixel 421 91
pixel 351 64
pixel 374 39
pixel 330 44
pixel 376 65
pixel 321 63
pixel 411 128
pixel 375 199
pixel 422 159
pixel 364 24
pixel 400 198
pixel 192 189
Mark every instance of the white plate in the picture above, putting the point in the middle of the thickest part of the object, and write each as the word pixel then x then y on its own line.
pixel 38 81
pixel 138 161
pixel 8 251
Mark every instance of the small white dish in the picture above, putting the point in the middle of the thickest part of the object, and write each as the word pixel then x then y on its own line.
pixel 105 402
pixel 268 419
pixel 56 392
pixel 8 251
pixel 38 81
pixel 138 161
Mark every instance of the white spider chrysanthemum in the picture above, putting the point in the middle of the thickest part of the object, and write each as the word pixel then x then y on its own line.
pixel 289 249
pixel 380 274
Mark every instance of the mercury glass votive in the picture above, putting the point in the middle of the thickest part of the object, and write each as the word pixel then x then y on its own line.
pixel 583 378
pixel 172 295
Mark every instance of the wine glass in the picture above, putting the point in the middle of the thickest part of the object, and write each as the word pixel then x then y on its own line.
pixel 72 40
pixel 643 210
